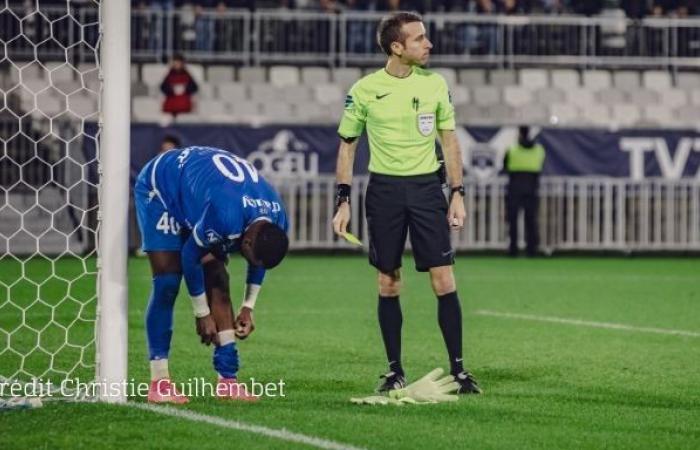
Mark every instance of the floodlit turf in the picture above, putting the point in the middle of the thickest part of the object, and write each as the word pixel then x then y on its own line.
pixel 547 385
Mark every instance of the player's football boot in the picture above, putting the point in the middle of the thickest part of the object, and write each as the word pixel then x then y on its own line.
pixel 163 391
pixel 231 389
pixel 467 383
pixel 390 381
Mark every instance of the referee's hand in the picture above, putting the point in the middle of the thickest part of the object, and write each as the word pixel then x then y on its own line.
pixel 456 214
pixel 341 218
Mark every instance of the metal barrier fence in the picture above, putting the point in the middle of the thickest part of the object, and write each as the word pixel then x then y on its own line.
pixel 574 214
pixel 348 38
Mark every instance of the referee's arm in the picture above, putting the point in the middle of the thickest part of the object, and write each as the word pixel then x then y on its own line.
pixel 343 175
pixel 453 164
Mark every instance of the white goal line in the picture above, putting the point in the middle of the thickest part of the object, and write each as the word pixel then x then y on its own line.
pixel 281 433
pixel 586 323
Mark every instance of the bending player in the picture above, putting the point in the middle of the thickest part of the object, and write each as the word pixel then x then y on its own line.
pixel 195 206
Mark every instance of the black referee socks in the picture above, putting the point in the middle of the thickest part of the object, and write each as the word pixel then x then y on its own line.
pixel 390 321
pixel 450 320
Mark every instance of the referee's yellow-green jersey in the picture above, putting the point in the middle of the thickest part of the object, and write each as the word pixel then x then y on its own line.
pixel 402 116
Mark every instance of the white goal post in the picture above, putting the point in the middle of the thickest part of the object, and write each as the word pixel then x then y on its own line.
pixel 112 295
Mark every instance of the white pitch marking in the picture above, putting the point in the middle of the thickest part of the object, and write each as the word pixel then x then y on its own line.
pixel 586 323
pixel 281 434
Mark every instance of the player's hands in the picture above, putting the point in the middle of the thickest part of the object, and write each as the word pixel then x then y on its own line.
pixel 206 329
pixel 456 213
pixel 342 218
pixel 245 324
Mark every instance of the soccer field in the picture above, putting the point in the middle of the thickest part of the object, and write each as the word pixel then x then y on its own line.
pixel 543 337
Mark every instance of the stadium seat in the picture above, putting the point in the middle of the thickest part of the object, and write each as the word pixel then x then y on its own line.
pixel 312 76
pixel 500 113
pixel 564 114
pixel 644 97
pixel 153 74
pixel 547 96
pixel 249 75
pixel 325 94
pixel 284 76
pixel 657 115
pixel 626 80
pixel 472 77
pixel 597 79
pixel 220 74
pixel 534 78
pixel 625 115
pixel 533 114
pixel 659 80
pixel 486 95
pixel 596 114
pixel 245 110
pixel 470 113
pixel 611 96
pixel 300 95
pixel 197 72
pixel 460 94
pixel 83 104
pixel 346 76
pixel 263 92
pixel 146 109
pixel 502 78
pixel 517 96
pixel 138 89
pixel 232 92
pixel 565 79
pixel 695 97
pixel 688 115
pixel 277 112
pixel 675 98
pixel 206 90
pixel 193 117
pixel 50 103
pixel 688 80
pixel 212 109
pixel 449 74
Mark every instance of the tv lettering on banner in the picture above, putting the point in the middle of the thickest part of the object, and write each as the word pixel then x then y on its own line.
pixel 306 151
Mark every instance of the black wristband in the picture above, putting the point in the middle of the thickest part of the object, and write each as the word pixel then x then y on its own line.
pixel 457 189
pixel 342 194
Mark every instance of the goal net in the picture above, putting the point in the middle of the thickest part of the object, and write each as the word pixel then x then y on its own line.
pixel 50 98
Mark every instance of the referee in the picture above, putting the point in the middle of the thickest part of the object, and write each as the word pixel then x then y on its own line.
pixel 404 108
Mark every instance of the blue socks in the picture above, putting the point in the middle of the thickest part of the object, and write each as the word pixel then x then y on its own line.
pixel 159 314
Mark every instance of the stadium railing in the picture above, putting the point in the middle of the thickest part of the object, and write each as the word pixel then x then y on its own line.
pixel 348 38
pixel 274 36
pixel 576 213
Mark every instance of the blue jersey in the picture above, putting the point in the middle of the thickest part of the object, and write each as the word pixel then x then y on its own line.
pixel 214 194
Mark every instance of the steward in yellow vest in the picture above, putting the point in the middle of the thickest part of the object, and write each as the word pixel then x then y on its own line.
pixel 523 163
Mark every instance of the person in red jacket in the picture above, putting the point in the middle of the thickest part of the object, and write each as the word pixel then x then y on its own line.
pixel 178 87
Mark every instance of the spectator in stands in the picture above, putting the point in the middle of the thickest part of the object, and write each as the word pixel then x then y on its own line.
pixel 204 24
pixel 523 164
pixel 178 88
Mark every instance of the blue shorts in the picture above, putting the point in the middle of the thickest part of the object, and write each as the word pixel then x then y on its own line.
pixel 159 229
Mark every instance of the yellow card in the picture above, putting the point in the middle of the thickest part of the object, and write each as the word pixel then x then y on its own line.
pixel 351 238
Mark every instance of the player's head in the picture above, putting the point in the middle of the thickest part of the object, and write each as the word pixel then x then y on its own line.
pixel 178 62
pixel 264 244
pixel 403 35
pixel 169 142
pixel 524 137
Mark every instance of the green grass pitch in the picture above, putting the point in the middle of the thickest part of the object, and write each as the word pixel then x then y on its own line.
pixel 547 385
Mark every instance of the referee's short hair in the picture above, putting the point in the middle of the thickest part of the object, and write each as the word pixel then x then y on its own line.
pixel 389 29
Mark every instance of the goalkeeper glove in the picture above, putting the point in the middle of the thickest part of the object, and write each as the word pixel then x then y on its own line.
pixel 430 388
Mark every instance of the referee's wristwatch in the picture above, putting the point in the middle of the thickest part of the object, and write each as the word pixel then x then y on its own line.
pixel 342 194
pixel 457 190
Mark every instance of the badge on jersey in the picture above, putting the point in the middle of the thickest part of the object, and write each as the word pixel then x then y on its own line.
pixel 426 123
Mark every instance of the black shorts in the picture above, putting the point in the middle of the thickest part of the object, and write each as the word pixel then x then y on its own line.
pixel 416 205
